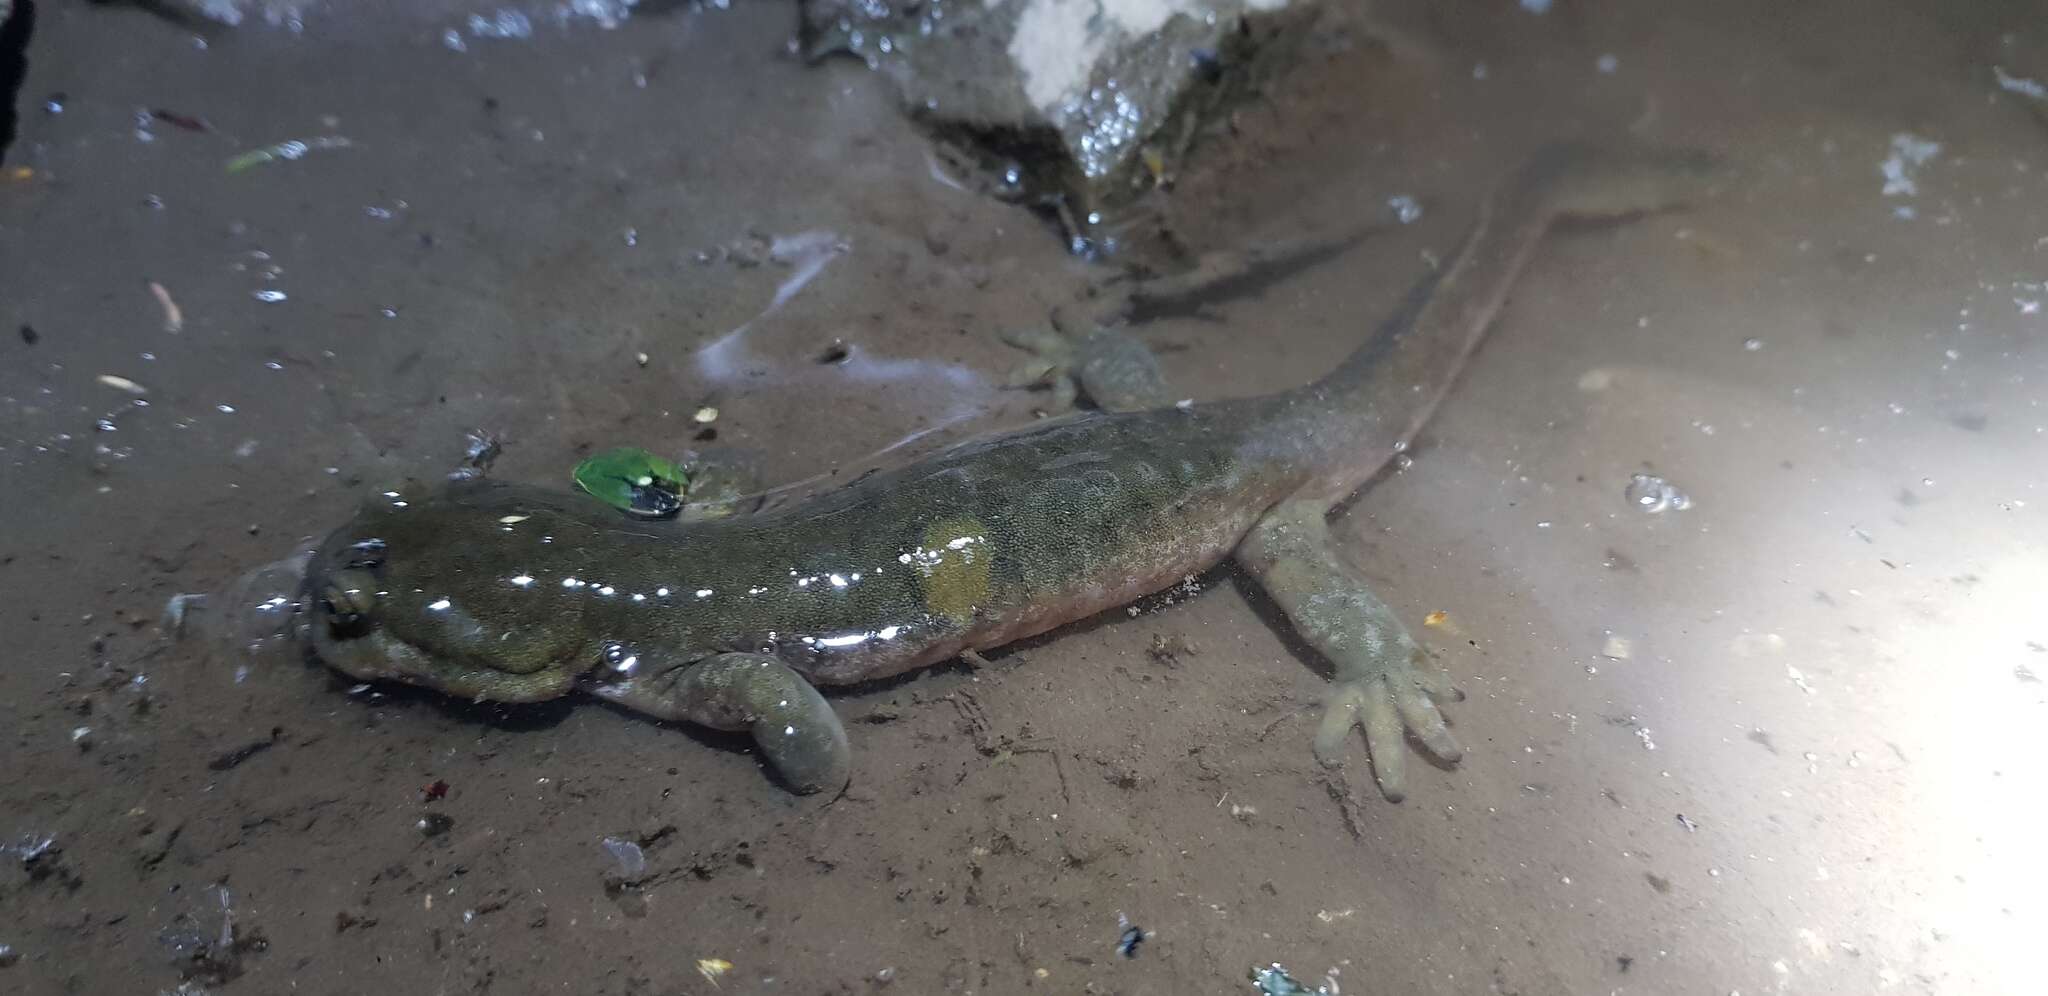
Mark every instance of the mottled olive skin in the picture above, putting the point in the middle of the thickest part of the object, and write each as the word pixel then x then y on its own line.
pixel 508 592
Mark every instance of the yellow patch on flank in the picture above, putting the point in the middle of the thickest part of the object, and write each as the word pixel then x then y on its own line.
pixel 954 561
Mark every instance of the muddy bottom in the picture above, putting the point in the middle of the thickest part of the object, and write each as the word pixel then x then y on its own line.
pixel 1786 739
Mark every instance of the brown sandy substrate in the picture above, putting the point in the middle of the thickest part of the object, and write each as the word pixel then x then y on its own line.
pixel 1815 769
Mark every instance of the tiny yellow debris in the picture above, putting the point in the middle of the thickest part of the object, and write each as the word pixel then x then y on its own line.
pixel 706 415
pixel 174 318
pixel 712 968
pixel 1437 618
pixel 122 383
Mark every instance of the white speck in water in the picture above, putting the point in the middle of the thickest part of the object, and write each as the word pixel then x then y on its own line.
pixel 381 214
pixel 1798 678
pixel 2021 85
pixel 268 296
pixel 521 580
pixel 1407 210
pixel 1908 153
pixel 1544 524
pixel 272 365
pixel 632 860
pixel 1607 64
pixel 1643 734
pixel 453 39
pixel 1655 494
pixel 632 237
pixel 505 23
pixel 1752 344
pixel 224 409
pixel 439 605
pixel 2027 306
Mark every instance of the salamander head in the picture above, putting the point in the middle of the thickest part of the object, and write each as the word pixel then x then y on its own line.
pixel 431 594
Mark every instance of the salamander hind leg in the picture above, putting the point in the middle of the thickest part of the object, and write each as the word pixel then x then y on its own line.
pixel 1384 683
pixel 793 725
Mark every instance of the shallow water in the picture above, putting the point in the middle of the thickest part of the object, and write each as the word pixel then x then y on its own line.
pixel 1786 739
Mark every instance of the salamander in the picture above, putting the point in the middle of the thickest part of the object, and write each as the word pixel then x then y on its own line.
pixel 510 593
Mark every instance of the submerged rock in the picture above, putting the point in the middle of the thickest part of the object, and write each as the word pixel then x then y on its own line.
pixel 1079 106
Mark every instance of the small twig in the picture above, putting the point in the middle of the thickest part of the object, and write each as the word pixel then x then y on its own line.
pixel 1284 717
pixel 1339 788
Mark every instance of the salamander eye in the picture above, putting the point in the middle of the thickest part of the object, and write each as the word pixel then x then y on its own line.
pixel 349 600
pixel 620 661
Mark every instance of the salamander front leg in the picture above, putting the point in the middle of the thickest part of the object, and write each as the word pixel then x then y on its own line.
pixel 1111 367
pixel 1383 682
pixel 793 725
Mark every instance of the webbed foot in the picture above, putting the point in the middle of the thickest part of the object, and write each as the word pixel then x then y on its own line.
pixel 793 725
pixel 1384 682
pixel 1111 367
